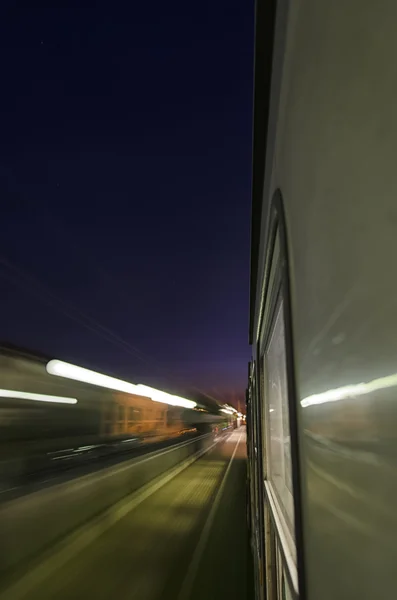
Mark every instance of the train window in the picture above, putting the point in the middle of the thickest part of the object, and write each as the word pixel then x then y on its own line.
pixel 277 417
pixel 121 413
pixel 280 467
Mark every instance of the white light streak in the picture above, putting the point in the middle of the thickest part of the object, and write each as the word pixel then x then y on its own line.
pixel 229 410
pixel 36 397
pixel 350 391
pixel 159 396
pixel 63 369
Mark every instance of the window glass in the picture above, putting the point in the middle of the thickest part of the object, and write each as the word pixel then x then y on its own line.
pixel 279 447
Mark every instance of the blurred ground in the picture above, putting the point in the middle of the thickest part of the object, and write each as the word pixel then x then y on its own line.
pixel 187 541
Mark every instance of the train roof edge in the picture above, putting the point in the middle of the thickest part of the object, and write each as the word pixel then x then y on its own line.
pixel 13 350
pixel 265 14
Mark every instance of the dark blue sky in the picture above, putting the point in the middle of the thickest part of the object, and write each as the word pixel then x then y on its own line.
pixel 125 164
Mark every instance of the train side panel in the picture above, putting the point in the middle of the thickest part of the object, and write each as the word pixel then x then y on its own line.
pixel 330 161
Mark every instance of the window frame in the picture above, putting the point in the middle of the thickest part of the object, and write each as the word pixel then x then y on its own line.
pixel 275 288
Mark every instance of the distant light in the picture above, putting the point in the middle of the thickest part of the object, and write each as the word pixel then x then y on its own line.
pixel 239 414
pixel 271 410
pixel 36 397
pixel 229 410
pixel 64 369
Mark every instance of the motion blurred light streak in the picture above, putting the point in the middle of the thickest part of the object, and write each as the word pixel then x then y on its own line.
pixel 64 369
pixel 350 391
pixel 159 396
pixel 36 397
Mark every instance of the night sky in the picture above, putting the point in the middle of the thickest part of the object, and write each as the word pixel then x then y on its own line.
pixel 125 173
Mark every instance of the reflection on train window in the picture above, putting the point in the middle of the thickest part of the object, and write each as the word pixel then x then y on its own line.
pixel 279 447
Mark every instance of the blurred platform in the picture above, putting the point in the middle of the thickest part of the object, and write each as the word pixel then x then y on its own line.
pixel 188 540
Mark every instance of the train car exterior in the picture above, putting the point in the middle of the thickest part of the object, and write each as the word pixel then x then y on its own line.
pixel 321 408
pixel 98 415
